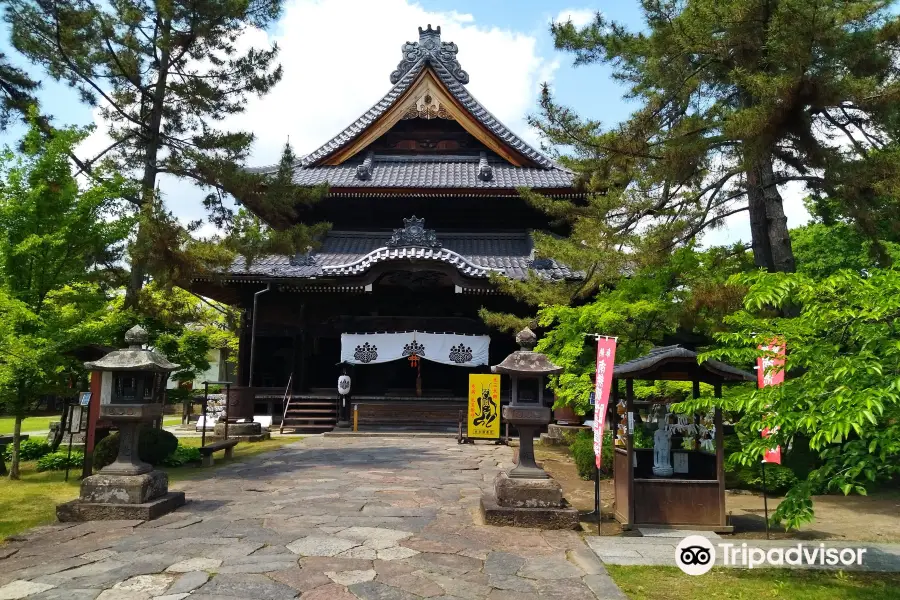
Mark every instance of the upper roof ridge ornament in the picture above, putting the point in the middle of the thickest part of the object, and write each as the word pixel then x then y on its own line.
pixel 414 233
pixel 430 47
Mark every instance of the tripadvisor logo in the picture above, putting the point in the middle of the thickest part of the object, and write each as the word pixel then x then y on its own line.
pixel 695 555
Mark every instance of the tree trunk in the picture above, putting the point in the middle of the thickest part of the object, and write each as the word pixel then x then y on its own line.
pixel 17 440
pixel 769 233
pixel 151 168
pixel 63 426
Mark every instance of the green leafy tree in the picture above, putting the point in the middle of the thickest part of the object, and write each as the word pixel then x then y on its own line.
pixel 734 99
pixel 823 250
pixel 686 296
pixel 162 75
pixel 186 327
pixel 54 240
pixel 841 388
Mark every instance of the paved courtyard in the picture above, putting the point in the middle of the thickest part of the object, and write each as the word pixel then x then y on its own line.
pixel 325 518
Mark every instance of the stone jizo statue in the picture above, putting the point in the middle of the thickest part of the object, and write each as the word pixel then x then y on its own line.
pixel 662 450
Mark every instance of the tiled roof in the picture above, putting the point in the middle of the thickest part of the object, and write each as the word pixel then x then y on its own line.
pixel 346 253
pixel 432 172
pixel 420 171
pixel 646 366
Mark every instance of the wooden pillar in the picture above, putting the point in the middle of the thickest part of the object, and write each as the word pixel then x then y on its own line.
pixel 720 455
pixel 629 446
pixel 243 363
pixel 90 437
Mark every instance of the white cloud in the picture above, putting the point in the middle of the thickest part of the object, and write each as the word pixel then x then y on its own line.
pixel 336 68
pixel 579 16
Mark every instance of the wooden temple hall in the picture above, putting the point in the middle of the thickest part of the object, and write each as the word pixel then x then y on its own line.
pixel 424 208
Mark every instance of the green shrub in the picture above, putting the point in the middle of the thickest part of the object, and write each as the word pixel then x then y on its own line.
pixel 779 478
pixel 58 461
pixel 582 450
pixel 154 446
pixel 28 450
pixel 182 456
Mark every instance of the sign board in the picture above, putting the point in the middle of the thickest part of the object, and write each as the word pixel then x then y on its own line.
pixel 84 399
pixel 680 462
pixel 592 398
pixel 603 375
pixel 483 418
pixel 75 419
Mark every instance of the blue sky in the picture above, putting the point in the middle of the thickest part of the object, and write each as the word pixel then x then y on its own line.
pixel 337 55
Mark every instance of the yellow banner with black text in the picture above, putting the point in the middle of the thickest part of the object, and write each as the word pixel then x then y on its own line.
pixel 484 407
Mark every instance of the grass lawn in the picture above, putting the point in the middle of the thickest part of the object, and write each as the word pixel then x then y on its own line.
pixel 669 583
pixel 32 500
pixel 28 424
pixel 171 420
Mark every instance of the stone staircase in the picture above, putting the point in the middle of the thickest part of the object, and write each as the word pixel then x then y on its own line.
pixel 305 414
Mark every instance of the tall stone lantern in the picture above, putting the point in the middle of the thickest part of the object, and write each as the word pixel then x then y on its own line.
pixel 527 496
pixel 133 381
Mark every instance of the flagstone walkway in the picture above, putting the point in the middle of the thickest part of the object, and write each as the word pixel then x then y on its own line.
pixel 326 518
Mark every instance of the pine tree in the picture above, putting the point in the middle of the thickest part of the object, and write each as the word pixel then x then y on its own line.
pixel 162 74
pixel 16 91
pixel 735 99
pixel 250 238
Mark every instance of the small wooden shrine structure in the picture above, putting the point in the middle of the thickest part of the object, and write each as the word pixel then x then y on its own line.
pixel 693 497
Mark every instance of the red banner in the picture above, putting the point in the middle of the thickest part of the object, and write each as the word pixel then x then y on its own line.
pixel 603 375
pixel 770 371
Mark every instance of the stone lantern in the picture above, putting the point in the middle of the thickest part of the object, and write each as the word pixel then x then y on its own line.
pixel 133 381
pixel 527 496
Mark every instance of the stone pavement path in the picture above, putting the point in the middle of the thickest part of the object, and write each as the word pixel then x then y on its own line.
pixel 326 518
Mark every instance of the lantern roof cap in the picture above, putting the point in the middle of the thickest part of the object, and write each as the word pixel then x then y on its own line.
pixel 133 358
pixel 526 362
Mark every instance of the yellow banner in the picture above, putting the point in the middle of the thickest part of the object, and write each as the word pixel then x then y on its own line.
pixel 484 407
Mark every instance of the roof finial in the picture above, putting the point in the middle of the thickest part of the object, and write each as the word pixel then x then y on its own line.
pixel 430 38
pixel 430 48
pixel 526 339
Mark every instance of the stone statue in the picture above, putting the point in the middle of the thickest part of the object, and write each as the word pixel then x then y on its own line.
pixel 662 446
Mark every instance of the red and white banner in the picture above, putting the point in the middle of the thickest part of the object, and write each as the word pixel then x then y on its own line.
pixel 603 376
pixel 770 371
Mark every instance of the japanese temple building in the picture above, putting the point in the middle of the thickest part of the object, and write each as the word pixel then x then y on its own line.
pixel 424 208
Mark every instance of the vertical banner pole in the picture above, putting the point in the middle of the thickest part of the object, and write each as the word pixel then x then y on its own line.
pixel 765 498
pixel 597 497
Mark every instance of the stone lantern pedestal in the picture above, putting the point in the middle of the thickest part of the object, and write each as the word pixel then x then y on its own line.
pixel 527 496
pixel 128 488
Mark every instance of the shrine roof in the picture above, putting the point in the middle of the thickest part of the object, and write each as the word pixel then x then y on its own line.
pixel 349 253
pixel 677 363
pixel 428 68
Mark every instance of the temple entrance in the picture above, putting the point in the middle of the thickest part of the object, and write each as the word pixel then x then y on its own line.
pixel 401 378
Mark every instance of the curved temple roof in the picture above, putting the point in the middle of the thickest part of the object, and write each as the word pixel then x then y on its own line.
pixel 661 362
pixel 348 254
pixel 389 171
